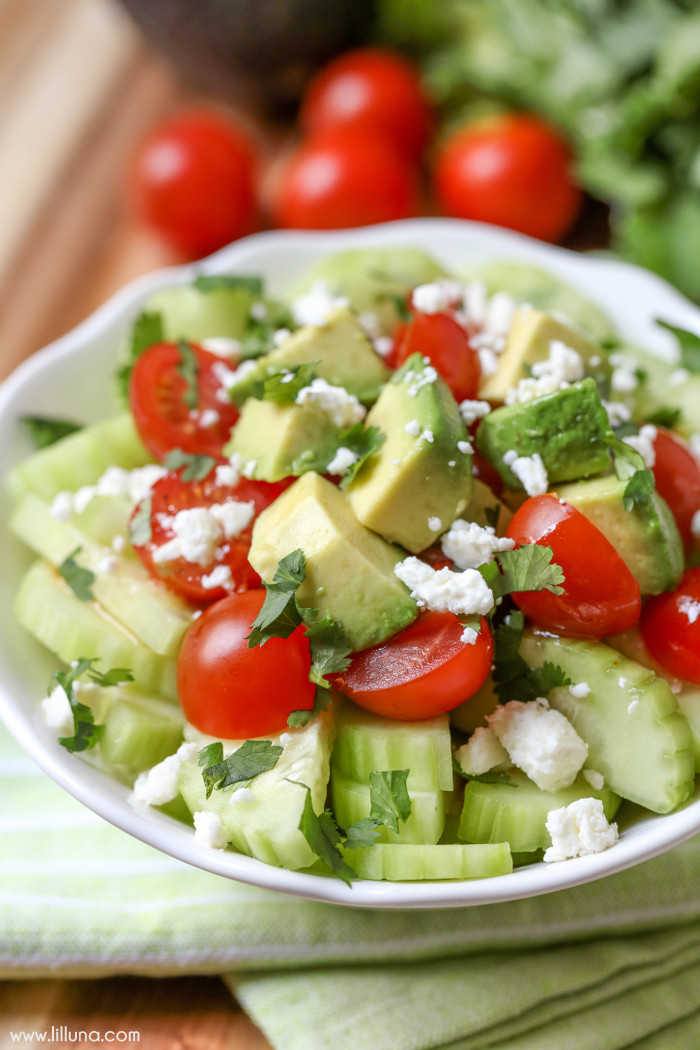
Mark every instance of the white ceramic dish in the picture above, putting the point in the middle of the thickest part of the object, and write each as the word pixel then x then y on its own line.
pixel 72 378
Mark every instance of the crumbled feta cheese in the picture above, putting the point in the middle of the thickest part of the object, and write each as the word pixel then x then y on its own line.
pixel 469 636
pixel 690 607
pixel 158 785
pixel 462 593
pixel 529 388
pixel 481 753
pixel 579 690
pixel 488 360
pixel 469 545
pixel 220 576
pixel 233 516
pixel 529 470
pixel 632 706
pixel 285 738
pixel 57 712
pixel 226 378
pixel 281 335
pixel 314 306
pixel 643 443
pixel 563 362
pixel 342 461
pixel 118 543
pixel 226 475
pixel 430 298
pixel 242 795
pixel 133 485
pixel 412 427
pixel 209 830
pixel 678 376
pixel 465 447
pixel 579 829
pixel 197 535
pixel 209 418
pixel 108 563
pixel 258 311
pixel 342 408
pixel 417 382
pixel 222 346
pixel 383 345
pixel 470 411
pixel 624 378
pixel 62 506
pixel 618 412
pixel 595 779
pixel 540 741
pixel 428 436
pixel 434 524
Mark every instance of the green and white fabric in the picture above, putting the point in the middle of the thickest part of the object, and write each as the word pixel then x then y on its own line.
pixel 609 965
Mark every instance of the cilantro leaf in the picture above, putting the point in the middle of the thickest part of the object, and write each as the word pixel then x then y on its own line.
pixel 140 524
pixel 666 416
pixel 321 833
pixel 398 301
pixel 626 459
pixel 625 428
pixel 689 344
pixel 115 676
pixel 283 385
pixel 362 833
pixel 258 335
pixel 86 732
pixel 299 719
pixel 363 441
pixel 330 646
pixel 638 489
pixel 389 798
pixel 513 678
pixel 527 568
pixel 188 368
pixel 78 578
pixel 248 761
pixel 492 515
pixel 229 281
pixel 279 614
pixel 45 431
pixel 146 330
pixel 197 465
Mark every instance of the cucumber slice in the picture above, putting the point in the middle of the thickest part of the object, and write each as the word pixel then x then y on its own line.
pixel 157 616
pixel 80 459
pixel 366 743
pixel 104 518
pixel 47 608
pixel 636 734
pixel 408 863
pixel 267 827
pixel 517 812
pixel 140 731
pixel 350 801
pixel 189 312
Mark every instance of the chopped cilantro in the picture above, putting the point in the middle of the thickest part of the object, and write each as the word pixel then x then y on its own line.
pixel 197 465
pixel 146 330
pixel 493 776
pixel 279 614
pixel 303 717
pixel 248 761
pixel 362 833
pixel 85 731
pixel 140 524
pixel 258 336
pixel 330 646
pixel 45 431
pixel 229 281
pixel 78 578
pixel 689 344
pixel 625 428
pixel 666 416
pixel 398 301
pixel 514 679
pixel 626 459
pixel 188 368
pixel 638 489
pixel 363 441
pixel 283 385
pixel 321 833
pixel 492 515
pixel 527 568
pixel 389 798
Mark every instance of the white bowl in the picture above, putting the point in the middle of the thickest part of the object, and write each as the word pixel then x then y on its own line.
pixel 72 378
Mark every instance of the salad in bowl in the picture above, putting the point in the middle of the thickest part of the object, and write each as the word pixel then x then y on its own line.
pixel 361 565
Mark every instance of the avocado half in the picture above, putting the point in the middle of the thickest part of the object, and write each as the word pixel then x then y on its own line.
pixel 257 52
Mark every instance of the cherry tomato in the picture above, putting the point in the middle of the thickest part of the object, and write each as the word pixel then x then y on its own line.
pixel 192 180
pixel 232 692
pixel 345 178
pixel 677 477
pixel 439 337
pixel 421 672
pixel 168 497
pixel 159 393
pixel 601 596
pixel 370 88
pixel 670 627
pixel 512 170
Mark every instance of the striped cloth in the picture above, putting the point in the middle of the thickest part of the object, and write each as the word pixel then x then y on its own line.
pixel 609 965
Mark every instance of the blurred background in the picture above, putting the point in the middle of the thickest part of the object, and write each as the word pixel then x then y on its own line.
pixel 577 121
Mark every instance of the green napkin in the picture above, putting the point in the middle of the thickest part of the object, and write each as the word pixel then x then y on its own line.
pixel 609 965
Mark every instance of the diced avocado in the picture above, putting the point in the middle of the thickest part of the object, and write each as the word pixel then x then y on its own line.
pixel 419 481
pixel 191 312
pixel 528 341
pixel 282 439
pixel 485 508
pixel 636 734
pixel 374 279
pixel 569 429
pixel 340 351
pixel 645 537
pixel 349 569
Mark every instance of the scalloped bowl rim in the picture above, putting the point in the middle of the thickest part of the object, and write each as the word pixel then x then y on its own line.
pixel 631 297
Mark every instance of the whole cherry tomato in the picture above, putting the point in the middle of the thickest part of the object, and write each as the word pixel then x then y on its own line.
pixel 677 478
pixel 671 628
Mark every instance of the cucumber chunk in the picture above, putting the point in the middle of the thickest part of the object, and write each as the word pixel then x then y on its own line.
pixel 47 608
pixel 80 459
pixel 516 812
pixel 157 616
pixel 351 802
pixel 408 863
pixel 267 826
pixel 140 731
pixel 366 743
pixel 636 734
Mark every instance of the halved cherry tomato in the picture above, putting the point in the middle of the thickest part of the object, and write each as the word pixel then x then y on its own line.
pixel 677 477
pixel 374 88
pixel 421 672
pixel 171 495
pixel 670 627
pixel 439 337
pixel 232 692
pixel 159 394
pixel 601 596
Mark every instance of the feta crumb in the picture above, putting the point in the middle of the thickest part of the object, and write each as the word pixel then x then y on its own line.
pixel 118 543
pixel 579 829
pixel 342 408
pixel 197 535
pixel 563 362
pixel 281 335
pixel 624 378
pixel 383 345
pixel 462 593
pixel 233 516
pixel 618 412
pixel 690 607
pixel 434 524
pixel 108 563
pixel 469 545
pixel 488 360
pixel 529 388
pixel 540 741
pixel 242 794
pixel 314 306
pixel 220 576
pixel 258 311
pixel 57 712
pixel 428 436
pixel 595 779
pixel 158 785
pixel 342 461
pixel 430 298
pixel 209 830
pixel 227 377
pixel 678 376
pixel 285 738
pixel 133 485
pixel 632 706
pixel 222 346
pixel 226 475
pixel 580 689
pixel 643 442
pixel 529 470
pixel 412 428
pixel 481 752
pixel 470 411
pixel 208 418
pixel 465 447
pixel 469 636
pixel 62 506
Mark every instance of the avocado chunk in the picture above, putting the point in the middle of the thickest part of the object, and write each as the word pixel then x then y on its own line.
pixel 420 480
pixel 637 737
pixel 340 351
pixel 569 429
pixel 645 537
pixel 375 280
pixel 485 508
pixel 528 342
pixel 280 440
pixel 349 569
pixel 191 312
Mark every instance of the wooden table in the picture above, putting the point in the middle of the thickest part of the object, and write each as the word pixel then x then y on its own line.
pixel 77 89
